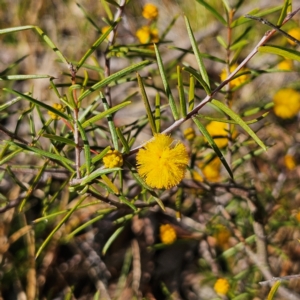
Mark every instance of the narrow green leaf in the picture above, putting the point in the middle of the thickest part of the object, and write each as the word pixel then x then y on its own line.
pixel 23 77
pixel 238 45
pixel 9 103
pixel 238 162
pixel 60 139
pixel 166 84
pixel 96 158
pixel 94 46
pixel 10 156
pixel 197 54
pixel 63 220
pixel 285 52
pixel 91 121
pixel 221 41
pixel 157 113
pixel 192 93
pixel 86 147
pixel 286 5
pixel 111 124
pixel 257 13
pixel 114 77
pixel 212 143
pixel 107 9
pixel 112 239
pixel 37 102
pixel 239 121
pixel 213 11
pixel 123 140
pixel 42 153
pixel 273 290
pixel 88 17
pixel 41 33
pixel 87 179
pixel 146 104
pixel 181 93
pixel 198 77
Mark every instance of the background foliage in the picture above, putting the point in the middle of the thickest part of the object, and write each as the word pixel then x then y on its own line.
pixel 78 79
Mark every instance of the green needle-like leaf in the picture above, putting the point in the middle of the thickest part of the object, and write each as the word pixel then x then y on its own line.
pixel 166 84
pixel 114 77
pixel 212 143
pixel 239 121
pixel 146 104
pixel 197 55
pixel 285 52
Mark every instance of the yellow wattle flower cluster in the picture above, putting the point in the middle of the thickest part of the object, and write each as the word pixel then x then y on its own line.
pixel 167 234
pixel 237 81
pixel 58 107
pixel 147 35
pixel 162 162
pixel 289 162
pixel 285 65
pixel 286 103
pixel 219 132
pixel 189 133
pixel 150 11
pixel 294 32
pixel 222 286
pixel 113 159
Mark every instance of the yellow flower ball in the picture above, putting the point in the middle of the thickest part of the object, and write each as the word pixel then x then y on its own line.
pixel 212 170
pixel 222 235
pixel 298 216
pixel 150 11
pixel 58 107
pixel 289 162
pixel 162 162
pixel 167 234
pixel 189 133
pixel 286 103
pixel 219 132
pixel 237 81
pixel 113 159
pixel 222 286
pixel 147 35
pixel 285 65
pixel 294 32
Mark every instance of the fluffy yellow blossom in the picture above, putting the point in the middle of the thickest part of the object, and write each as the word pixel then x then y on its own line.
pixel 222 286
pixel 167 234
pixel 189 133
pixel 237 81
pixel 113 159
pixel 104 29
pixel 294 32
pixel 58 107
pixel 219 132
pixel 147 35
pixel 286 65
pixel 222 235
pixel 162 162
pixel 286 103
pixel 150 11
pixel 212 170
pixel 289 162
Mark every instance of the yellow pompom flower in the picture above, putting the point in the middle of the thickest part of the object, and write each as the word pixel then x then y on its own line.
pixel 289 162
pixel 237 81
pixel 58 107
pixel 219 132
pixel 285 65
pixel 222 236
pixel 113 159
pixel 222 286
pixel 167 234
pixel 162 163
pixel 150 11
pixel 298 216
pixel 189 133
pixel 147 35
pixel 286 103
pixel 212 170
pixel 294 32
